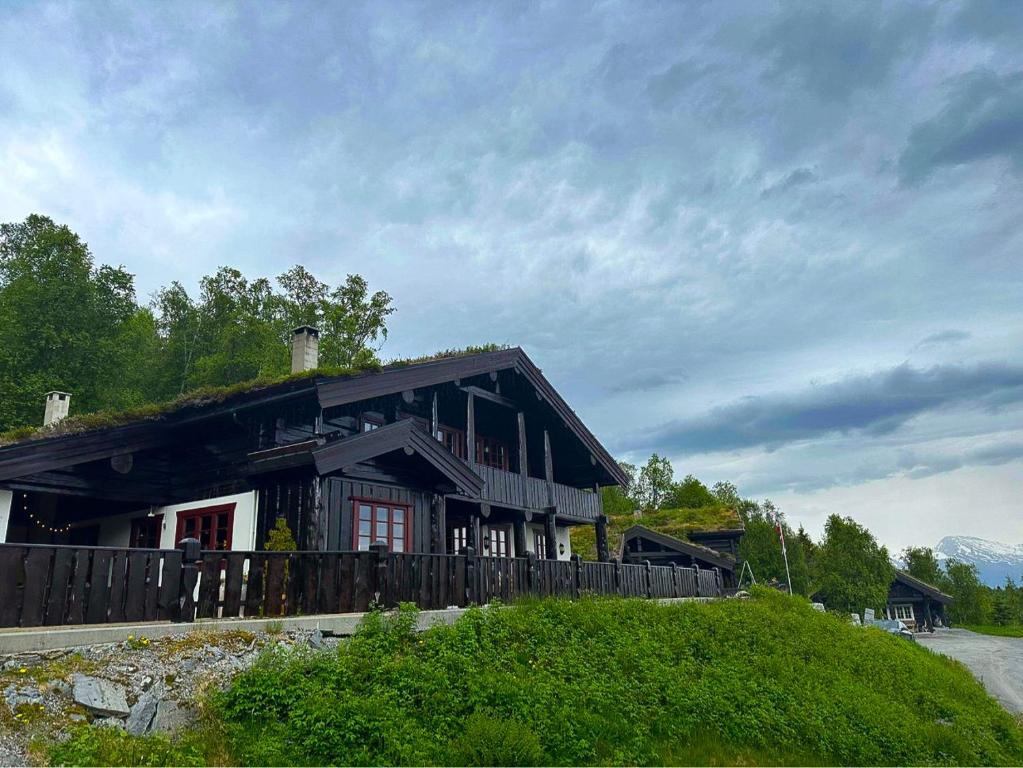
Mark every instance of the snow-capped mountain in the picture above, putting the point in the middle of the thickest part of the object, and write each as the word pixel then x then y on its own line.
pixel 993 559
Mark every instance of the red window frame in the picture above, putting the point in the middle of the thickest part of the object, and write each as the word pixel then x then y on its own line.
pixel 145 532
pixel 384 525
pixel 452 439
pixel 207 536
pixel 491 452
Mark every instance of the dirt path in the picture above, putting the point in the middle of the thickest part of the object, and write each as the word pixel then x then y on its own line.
pixel 996 661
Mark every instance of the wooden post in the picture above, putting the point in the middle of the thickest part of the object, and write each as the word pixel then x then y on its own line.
pixel 649 579
pixel 548 462
pixel 618 575
pixel 438 541
pixel 577 575
pixel 523 456
pixel 470 576
pixel 603 550
pixel 717 581
pixel 472 532
pixel 675 589
pixel 519 531
pixel 191 556
pixel 551 534
pixel 379 550
pixel 470 430
pixel 531 562
pixel 434 417
pixel 696 575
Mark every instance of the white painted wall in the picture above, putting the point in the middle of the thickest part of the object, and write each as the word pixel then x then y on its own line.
pixel 116 531
pixel 560 533
pixel 243 533
pixel 6 499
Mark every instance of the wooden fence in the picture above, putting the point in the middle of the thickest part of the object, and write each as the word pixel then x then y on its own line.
pixel 44 585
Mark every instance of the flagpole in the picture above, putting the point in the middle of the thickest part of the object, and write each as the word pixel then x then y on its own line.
pixel 784 550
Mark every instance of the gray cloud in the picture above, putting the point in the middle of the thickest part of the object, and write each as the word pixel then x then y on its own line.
pixel 877 404
pixel 982 118
pixel 797 178
pixel 942 338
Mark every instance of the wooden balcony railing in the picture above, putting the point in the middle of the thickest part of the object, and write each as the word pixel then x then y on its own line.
pixel 514 490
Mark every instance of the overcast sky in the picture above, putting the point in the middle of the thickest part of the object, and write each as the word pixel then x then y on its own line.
pixel 780 244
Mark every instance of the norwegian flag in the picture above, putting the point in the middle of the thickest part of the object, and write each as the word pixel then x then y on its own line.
pixel 780 531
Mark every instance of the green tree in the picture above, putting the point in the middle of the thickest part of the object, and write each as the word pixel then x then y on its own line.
pixel 922 564
pixel 654 482
pixel 688 494
pixel 761 548
pixel 971 603
pixel 726 493
pixel 65 324
pixel 853 571
pixel 617 500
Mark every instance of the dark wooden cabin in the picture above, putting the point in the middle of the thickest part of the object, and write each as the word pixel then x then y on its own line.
pixel 475 449
pixel 641 543
pixel 916 603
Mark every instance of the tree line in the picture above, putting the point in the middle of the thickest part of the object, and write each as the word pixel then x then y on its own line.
pixel 975 602
pixel 846 568
pixel 69 324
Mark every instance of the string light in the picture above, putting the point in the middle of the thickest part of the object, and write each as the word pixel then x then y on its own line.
pixel 39 523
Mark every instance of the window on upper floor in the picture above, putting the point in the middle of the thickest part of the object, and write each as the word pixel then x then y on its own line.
pixel 452 439
pixel 370 421
pixel 491 452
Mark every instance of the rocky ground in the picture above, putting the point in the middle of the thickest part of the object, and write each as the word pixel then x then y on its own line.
pixel 140 685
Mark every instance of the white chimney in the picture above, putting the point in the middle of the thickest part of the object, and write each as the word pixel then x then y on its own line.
pixel 305 349
pixel 57 404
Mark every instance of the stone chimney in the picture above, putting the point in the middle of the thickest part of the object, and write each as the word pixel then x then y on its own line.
pixel 57 404
pixel 305 349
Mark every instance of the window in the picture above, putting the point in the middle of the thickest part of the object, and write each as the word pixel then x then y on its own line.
pixel 452 439
pixel 145 532
pixel 491 452
pixel 370 421
pixel 540 544
pixel 211 525
pixel 903 612
pixel 459 539
pixel 498 542
pixel 382 521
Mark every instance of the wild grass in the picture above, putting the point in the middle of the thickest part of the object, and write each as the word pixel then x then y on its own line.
pixel 605 681
pixel 1010 630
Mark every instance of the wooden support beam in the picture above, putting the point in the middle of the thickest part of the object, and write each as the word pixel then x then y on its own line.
pixel 603 551
pixel 548 463
pixel 551 533
pixel 491 396
pixel 438 526
pixel 470 429
pixel 519 534
pixel 434 416
pixel 523 456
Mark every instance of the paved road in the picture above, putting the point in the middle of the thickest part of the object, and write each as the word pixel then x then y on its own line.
pixel 996 661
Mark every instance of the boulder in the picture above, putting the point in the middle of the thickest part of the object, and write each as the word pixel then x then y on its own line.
pixel 171 717
pixel 16 695
pixel 99 696
pixel 316 639
pixel 142 711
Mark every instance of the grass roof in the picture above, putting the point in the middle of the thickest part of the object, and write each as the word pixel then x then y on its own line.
pixel 678 523
pixel 204 396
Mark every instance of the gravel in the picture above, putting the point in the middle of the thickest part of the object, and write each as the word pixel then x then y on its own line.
pixel 997 662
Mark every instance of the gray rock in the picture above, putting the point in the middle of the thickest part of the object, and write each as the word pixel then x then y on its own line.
pixel 142 712
pixel 16 695
pixel 316 639
pixel 171 717
pixel 188 665
pixel 109 722
pixel 100 696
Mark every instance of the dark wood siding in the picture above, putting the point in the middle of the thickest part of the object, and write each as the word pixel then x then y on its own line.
pixel 340 514
pixel 298 500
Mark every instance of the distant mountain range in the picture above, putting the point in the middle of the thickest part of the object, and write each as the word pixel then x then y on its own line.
pixel 993 559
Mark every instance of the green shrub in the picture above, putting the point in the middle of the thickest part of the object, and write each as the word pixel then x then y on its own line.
pixel 90 745
pixel 611 681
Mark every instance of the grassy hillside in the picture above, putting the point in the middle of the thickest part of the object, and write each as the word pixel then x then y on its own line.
pixel 765 681
pixel 673 522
